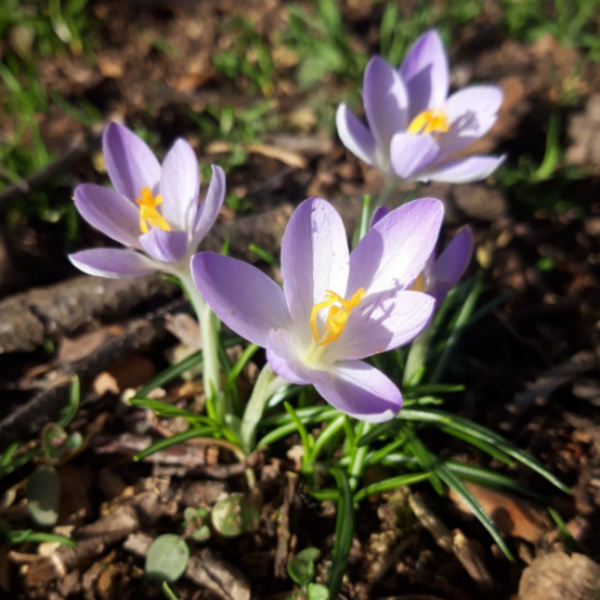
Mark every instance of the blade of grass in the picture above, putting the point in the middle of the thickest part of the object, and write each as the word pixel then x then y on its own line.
pixel 389 484
pixel 454 482
pixel 344 532
pixel 178 438
pixel 426 459
pixel 438 417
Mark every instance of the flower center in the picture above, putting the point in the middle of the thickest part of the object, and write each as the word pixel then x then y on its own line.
pixel 149 215
pixel 429 121
pixel 336 318
pixel 419 284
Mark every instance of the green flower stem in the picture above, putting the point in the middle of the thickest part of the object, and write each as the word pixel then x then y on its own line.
pixel 417 356
pixel 357 461
pixel 209 330
pixel 266 385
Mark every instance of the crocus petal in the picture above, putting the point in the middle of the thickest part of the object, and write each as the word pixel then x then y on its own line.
pixel 131 165
pixel 211 206
pixel 113 263
pixel 386 104
pixel 180 186
pixel 412 154
pixel 354 135
pixel 394 251
pixel 109 212
pixel 314 258
pixel 361 391
pixel 378 214
pixel 242 296
pixel 386 322
pixel 425 73
pixel 284 360
pixel 452 264
pixel 473 168
pixel 471 113
pixel 165 246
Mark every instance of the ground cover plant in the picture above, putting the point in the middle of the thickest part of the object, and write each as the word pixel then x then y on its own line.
pixel 337 336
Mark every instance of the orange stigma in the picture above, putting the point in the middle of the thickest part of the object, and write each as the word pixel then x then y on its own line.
pixel 149 215
pixel 429 121
pixel 336 318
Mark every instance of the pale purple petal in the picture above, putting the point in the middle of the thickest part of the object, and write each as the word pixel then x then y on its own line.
pixel 165 246
pixel 361 391
pixel 113 263
pixel 180 186
pixel 471 113
pixel 355 136
pixel 211 206
pixel 425 73
pixel 109 212
pixel 378 214
pixel 394 251
pixel 284 360
pixel 412 154
pixel 466 170
pixel 242 296
pixel 386 103
pixel 314 258
pixel 451 264
pixel 385 322
pixel 131 165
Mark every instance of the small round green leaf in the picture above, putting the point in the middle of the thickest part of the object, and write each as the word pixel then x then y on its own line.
pixel 167 558
pixel 234 515
pixel 302 567
pixel 317 591
pixel 43 496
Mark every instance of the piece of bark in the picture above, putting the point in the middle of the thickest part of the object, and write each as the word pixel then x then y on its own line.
pixel 128 515
pixel 470 555
pixel 559 576
pixel 431 522
pixel 29 318
pixel 283 527
pixel 34 414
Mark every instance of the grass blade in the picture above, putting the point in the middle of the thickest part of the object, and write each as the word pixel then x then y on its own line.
pixel 389 484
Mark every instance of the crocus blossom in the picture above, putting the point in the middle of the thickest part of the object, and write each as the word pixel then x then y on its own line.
pixel 415 130
pixel 443 272
pixel 336 308
pixel 154 209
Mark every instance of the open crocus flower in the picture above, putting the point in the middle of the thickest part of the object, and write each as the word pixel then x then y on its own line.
pixel 415 131
pixel 153 211
pixel 335 308
pixel 441 273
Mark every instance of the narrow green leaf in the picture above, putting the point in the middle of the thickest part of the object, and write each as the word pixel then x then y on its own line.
pixel 389 484
pixel 452 481
pixel 344 532
pixel 426 459
pixel 174 440
pixel 440 418
pixel 478 443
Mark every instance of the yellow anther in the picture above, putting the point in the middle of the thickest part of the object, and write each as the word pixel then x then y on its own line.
pixel 429 121
pixel 419 284
pixel 149 214
pixel 337 317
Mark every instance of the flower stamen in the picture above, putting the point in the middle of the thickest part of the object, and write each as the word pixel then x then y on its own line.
pixel 336 318
pixel 429 121
pixel 149 215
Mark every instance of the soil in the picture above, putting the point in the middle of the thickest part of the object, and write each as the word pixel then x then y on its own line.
pixel 530 366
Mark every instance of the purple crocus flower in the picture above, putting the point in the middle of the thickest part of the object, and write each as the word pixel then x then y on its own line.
pixel 440 274
pixel 153 211
pixel 415 131
pixel 335 308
